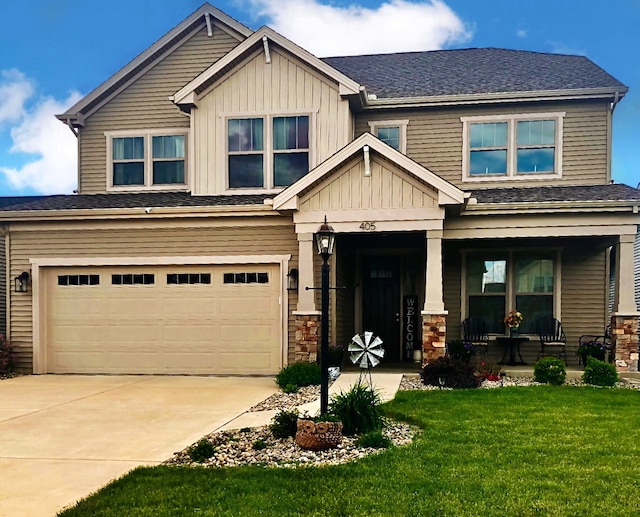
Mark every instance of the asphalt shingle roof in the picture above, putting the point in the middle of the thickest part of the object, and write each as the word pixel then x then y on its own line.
pixel 471 71
pixel 142 200
pixel 560 193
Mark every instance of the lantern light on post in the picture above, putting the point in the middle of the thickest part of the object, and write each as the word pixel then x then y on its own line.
pixel 22 282
pixel 325 239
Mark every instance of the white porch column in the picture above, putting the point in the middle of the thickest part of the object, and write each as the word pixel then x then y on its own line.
pixel 306 298
pixel 433 298
pixel 624 300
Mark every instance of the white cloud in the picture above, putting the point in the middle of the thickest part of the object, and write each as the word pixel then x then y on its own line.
pixel 394 26
pixel 522 33
pixel 49 146
pixel 15 89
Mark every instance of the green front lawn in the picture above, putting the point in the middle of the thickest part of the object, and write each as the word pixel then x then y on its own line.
pixel 536 451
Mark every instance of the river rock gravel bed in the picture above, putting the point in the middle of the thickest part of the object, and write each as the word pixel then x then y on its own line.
pixel 256 446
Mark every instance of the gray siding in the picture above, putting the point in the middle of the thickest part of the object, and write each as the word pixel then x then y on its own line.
pixel 3 286
pixel 434 139
pixel 145 103
pixel 636 267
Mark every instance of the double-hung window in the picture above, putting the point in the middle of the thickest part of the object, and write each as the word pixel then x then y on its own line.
pixel 267 152
pixel 516 147
pixel 146 160
pixel 498 282
pixel 391 132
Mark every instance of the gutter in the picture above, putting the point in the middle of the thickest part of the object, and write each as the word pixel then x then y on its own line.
pixel 552 207
pixel 370 101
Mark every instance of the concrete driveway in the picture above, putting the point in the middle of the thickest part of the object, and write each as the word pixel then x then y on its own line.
pixel 65 436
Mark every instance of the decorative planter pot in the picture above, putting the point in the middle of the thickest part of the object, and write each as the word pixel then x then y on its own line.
pixel 514 332
pixel 318 436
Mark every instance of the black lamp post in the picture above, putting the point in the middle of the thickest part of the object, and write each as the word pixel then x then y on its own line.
pixel 325 239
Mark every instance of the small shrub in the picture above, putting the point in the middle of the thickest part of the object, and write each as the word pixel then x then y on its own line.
pixel 201 451
pixel 460 351
pixel 259 444
pixel 456 374
pixel 290 388
pixel 284 424
pixel 245 430
pixel 599 373
pixel 550 370
pixel 374 439
pixel 489 371
pixel 327 417
pixel 299 375
pixel 358 409
pixel 6 355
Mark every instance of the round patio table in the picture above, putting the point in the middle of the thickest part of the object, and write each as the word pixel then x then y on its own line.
pixel 511 347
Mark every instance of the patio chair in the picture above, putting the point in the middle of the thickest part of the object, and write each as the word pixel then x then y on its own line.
pixel 604 341
pixel 552 338
pixel 475 333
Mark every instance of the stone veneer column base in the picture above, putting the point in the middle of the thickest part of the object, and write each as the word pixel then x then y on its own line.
pixel 434 335
pixel 307 338
pixel 624 334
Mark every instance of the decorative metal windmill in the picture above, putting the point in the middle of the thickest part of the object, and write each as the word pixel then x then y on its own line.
pixel 366 351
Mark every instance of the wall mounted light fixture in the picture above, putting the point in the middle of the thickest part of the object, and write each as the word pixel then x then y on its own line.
pixel 22 282
pixel 292 280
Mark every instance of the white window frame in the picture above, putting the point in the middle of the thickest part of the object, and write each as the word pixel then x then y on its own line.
pixel 510 293
pixel 374 125
pixel 268 151
pixel 512 146
pixel 148 135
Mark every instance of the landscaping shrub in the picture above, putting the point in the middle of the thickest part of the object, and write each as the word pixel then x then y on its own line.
pixel 201 451
pixel 460 351
pixel 599 373
pixel 358 409
pixel 6 355
pixel 456 374
pixel 259 444
pixel 284 424
pixel 550 370
pixel 374 439
pixel 299 375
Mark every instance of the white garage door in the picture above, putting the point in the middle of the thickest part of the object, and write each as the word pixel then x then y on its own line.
pixel 163 319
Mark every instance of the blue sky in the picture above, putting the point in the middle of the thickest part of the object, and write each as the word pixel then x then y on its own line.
pixel 52 52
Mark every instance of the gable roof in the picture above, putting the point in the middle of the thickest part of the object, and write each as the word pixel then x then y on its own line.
pixel 447 192
pixel 187 94
pixel 76 113
pixel 488 72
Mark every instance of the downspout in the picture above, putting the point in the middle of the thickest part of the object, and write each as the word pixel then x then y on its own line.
pixel 612 107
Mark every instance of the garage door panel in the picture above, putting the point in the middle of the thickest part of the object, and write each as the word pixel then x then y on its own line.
pixel 203 327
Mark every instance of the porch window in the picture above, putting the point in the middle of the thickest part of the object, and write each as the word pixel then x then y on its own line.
pixel 497 283
pixel 512 147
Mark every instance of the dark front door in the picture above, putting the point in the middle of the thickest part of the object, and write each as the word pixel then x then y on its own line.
pixel 381 302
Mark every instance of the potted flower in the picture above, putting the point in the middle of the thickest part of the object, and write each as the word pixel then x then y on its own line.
pixel 513 319
pixel 591 349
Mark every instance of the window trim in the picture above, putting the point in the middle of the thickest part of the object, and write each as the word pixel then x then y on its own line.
pixel 510 293
pixel 268 151
pixel 148 135
pixel 512 146
pixel 374 125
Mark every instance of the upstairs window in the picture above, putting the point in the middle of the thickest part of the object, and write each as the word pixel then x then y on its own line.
pixel 146 160
pixel 512 147
pixel 267 152
pixel 391 132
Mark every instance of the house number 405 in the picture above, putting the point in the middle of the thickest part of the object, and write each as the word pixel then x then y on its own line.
pixel 368 226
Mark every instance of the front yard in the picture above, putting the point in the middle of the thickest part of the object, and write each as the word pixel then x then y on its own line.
pixel 512 451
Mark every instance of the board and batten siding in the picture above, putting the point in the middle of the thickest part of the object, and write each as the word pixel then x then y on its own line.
pixel 145 103
pixel 636 267
pixel 386 188
pixel 260 236
pixel 434 139
pixel 255 88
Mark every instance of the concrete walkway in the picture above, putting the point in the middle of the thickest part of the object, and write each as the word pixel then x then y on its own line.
pixel 386 384
pixel 63 437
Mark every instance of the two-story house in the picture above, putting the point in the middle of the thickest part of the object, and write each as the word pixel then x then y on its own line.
pixel 459 183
